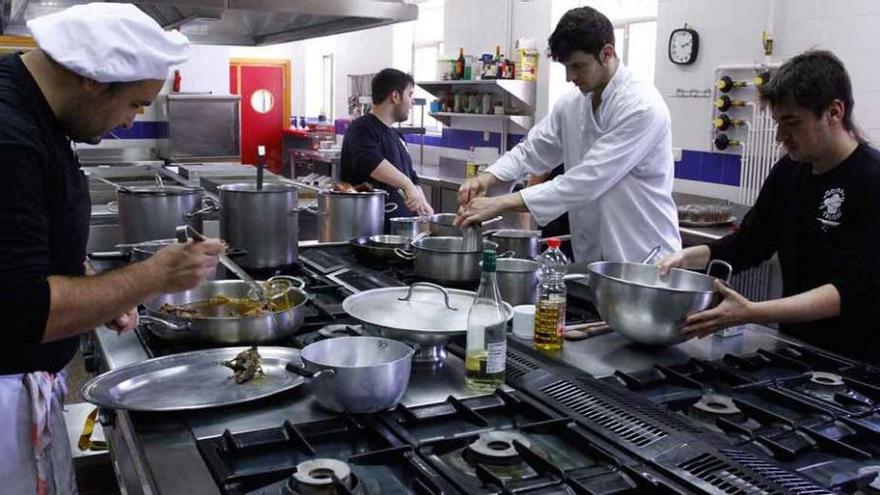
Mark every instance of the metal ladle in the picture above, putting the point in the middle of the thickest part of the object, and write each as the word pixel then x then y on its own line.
pixel 256 291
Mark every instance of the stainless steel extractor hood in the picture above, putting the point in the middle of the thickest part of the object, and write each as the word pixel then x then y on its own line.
pixel 239 22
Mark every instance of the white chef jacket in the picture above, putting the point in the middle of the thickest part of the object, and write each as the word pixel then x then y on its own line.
pixel 617 186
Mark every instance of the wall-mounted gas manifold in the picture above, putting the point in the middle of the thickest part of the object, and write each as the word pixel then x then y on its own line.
pixel 735 99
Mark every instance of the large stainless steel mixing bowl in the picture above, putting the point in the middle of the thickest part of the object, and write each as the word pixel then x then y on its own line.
pixel 645 307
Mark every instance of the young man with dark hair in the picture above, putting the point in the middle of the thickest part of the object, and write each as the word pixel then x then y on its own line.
pixel 613 134
pixel 819 210
pixel 373 151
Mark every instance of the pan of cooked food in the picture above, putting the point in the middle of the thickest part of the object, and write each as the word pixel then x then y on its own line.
pixel 225 312
pixel 196 380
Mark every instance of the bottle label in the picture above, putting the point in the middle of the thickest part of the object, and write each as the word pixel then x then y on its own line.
pixel 496 347
pixel 496 361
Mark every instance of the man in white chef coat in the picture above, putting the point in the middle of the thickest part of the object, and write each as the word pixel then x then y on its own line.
pixel 613 134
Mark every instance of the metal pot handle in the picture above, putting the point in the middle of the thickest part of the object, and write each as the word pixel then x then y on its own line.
pixel 295 281
pixel 209 206
pixel 165 323
pixel 113 207
pixel 390 207
pixel 433 286
pixel 506 254
pixel 723 264
pixel 302 371
pixel 404 254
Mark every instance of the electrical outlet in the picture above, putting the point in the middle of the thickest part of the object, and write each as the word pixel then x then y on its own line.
pixel 486 136
pixel 676 154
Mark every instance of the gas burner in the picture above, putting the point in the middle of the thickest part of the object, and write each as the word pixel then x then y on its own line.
pixel 332 331
pixel 824 385
pixel 826 380
pixel 322 477
pixel 869 484
pixel 712 406
pixel 495 448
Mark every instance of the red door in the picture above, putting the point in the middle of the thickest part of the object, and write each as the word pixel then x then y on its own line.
pixel 264 109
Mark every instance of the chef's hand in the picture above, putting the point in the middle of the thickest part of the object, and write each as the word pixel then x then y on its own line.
pixel 415 201
pixel 674 260
pixel 124 322
pixel 478 210
pixel 734 309
pixel 183 266
pixel 474 187
pixel 692 257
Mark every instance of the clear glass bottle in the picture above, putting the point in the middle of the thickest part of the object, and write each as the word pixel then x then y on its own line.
pixel 486 354
pixel 550 310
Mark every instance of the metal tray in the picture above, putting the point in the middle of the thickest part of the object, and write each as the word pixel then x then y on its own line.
pixel 192 380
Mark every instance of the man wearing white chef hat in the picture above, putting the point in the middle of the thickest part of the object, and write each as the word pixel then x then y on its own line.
pixel 95 67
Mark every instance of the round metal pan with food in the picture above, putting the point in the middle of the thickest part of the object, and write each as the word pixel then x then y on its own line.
pixel 195 380
pixel 221 312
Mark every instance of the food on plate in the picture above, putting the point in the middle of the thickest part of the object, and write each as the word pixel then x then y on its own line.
pixel 704 213
pixel 246 365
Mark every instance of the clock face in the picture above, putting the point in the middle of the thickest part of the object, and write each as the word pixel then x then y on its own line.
pixel 683 44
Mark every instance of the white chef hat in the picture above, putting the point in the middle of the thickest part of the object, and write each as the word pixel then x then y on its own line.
pixel 109 42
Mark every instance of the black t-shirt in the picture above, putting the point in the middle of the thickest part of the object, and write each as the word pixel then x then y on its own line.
pixel 367 142
pixel 44 221
pixel 825 229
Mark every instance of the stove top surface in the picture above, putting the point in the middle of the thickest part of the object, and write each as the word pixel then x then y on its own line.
pixel 815 413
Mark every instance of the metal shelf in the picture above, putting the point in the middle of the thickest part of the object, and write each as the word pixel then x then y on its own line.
pixel 521 122
pixel 523 92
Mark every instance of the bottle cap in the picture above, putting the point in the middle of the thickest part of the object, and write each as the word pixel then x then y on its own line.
pixel 554 242
pixel 489 260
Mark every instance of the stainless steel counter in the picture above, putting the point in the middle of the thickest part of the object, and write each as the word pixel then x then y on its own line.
pixel 157 453
pixel 601 356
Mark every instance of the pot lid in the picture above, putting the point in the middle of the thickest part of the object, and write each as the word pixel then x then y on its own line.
pixel 425 311
pixel 162 190
pixel 249 187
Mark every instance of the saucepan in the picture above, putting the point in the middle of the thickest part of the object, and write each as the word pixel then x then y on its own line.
pixel 525 244
pixel 447 259
pixel 356 374
pixel 214 326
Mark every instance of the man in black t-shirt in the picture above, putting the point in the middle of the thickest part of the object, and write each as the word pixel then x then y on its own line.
pixel 373 151
pixel 819 210
pixel 95 66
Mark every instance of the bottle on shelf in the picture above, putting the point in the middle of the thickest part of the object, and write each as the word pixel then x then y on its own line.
pixel 459 65
pixel 486 353
pixel 550 310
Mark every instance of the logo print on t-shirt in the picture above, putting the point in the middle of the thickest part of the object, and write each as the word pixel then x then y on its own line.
pixel 831 208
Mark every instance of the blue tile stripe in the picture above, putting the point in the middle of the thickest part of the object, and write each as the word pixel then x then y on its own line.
pixel 450 138
pixel 703 166
pixel 142 129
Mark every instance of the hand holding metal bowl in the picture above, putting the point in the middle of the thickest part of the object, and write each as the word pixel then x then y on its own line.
pixel 646 307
